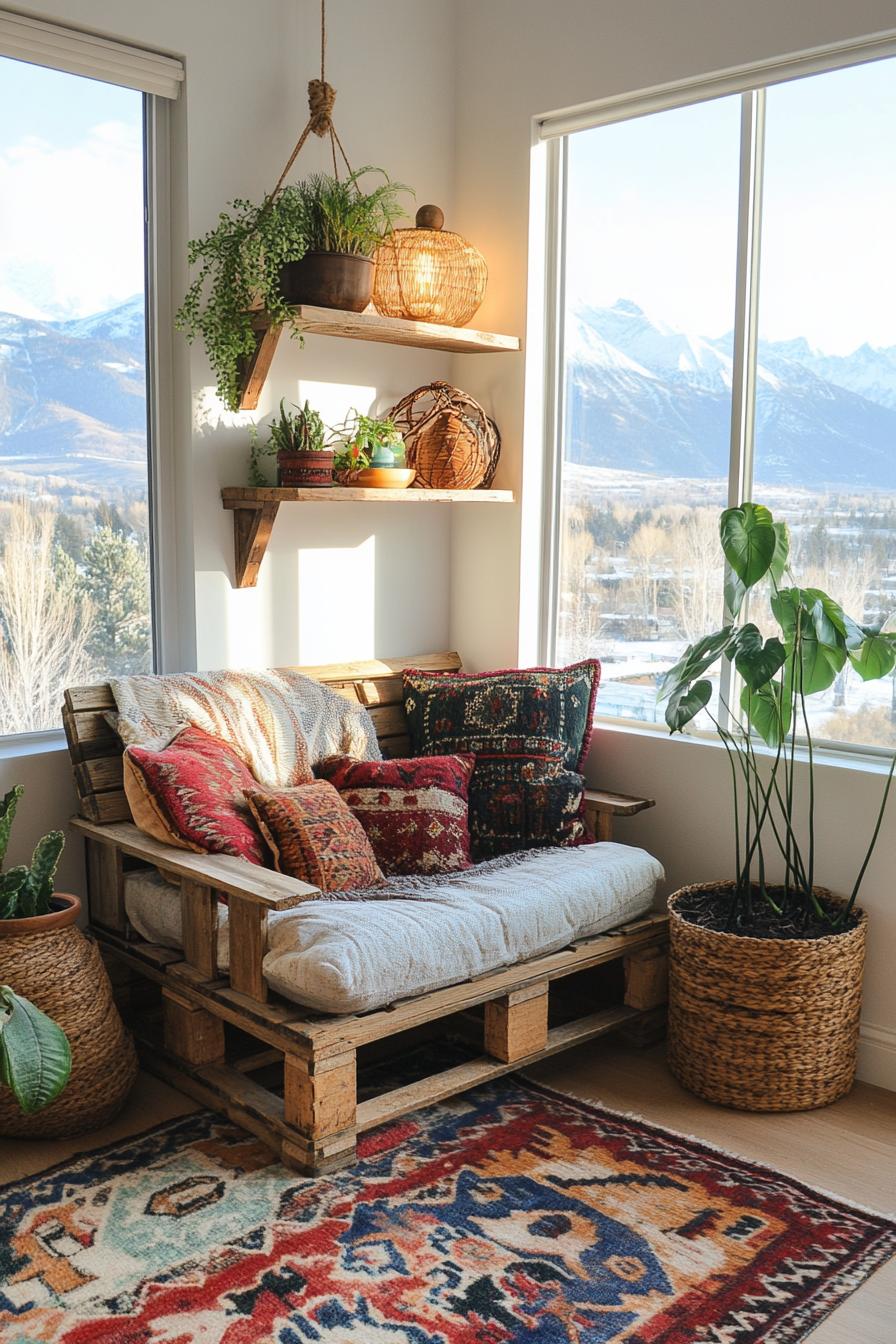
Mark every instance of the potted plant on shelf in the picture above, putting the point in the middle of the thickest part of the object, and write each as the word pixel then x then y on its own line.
pixel 766 968
pixel 310 243
pixel 372 454
pixel 299 441
pixel 58 974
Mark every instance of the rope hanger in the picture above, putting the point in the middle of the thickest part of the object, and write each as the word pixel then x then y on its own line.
pixel 321 97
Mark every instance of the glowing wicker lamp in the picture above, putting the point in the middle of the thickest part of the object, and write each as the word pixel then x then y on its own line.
pixel 428 274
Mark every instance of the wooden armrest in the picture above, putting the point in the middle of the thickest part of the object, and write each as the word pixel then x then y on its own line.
pixel 615 804
pixel 236 877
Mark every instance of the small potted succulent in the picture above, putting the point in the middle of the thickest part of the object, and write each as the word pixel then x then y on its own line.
pixel 372 454
pixel 66 1062
pixel 311 243
pixel 299 439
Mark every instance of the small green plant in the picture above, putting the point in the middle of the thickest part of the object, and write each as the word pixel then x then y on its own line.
pixel 35 1058
pixel 303 432
pixel 813 642
pixel 239 261
pixel 27 891
pixel 361 436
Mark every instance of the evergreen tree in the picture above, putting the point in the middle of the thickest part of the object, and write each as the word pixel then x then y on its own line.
pixel 114 576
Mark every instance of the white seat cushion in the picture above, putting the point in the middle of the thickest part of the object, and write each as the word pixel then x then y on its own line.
pixel 352 956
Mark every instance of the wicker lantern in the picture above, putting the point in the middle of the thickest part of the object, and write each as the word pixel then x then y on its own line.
pixel 428 274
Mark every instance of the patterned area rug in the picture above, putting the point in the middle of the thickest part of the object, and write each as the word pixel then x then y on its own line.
pixel 508 1214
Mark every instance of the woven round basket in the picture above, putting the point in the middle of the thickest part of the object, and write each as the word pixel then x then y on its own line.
pixel 48 960
pixel 449 440
pixel 763 1024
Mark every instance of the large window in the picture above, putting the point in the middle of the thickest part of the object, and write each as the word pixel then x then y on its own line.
pixel 728 331
pixel 74 498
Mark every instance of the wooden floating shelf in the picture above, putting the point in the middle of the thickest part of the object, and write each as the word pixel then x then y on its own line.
pixel 255 509
pixel 366 326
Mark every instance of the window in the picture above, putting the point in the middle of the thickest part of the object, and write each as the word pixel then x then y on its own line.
pixel 728 320
pixel 74 497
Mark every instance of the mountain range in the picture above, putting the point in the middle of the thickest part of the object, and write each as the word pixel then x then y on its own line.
pixel 644 396
pixel 641 396
pixel 72 399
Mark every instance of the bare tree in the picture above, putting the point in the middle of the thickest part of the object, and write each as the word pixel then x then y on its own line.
pixel 44 625
pixel 696 589
pixel 580 622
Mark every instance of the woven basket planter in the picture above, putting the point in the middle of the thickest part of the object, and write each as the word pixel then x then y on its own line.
pixel 763 1024
pixel 50 961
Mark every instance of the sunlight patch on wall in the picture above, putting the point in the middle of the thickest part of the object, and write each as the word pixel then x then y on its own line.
pixel 337 603
pixel 334 401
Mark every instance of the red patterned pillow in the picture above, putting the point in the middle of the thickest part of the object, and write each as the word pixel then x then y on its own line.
pixel 190 794
pixel 313 836
pixel 414 812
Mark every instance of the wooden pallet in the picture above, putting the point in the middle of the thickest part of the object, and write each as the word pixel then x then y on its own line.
pixel 312 1117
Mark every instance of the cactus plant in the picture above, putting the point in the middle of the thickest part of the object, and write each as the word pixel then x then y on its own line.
pixel 27 891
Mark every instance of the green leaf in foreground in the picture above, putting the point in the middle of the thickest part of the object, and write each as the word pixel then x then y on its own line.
pixel 749 541
pixel 35 1058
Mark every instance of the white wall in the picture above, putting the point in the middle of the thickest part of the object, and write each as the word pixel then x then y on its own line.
pixel 521 59
pixel 340 581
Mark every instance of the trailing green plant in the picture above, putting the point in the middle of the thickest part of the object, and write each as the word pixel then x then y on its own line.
pixel 35 1057
pixel 302 432
pixel 361 435
pixel 239 261
pixel 27 891
pixel 814 642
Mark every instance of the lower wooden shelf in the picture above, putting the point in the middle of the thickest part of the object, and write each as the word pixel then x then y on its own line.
pixel 255 509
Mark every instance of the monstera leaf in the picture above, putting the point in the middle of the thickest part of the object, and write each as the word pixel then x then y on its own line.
pixel 875 657
pixel 695 660
pixel 686 703
pixel 757 663
pixel 769 711
pixel 35 1058
pixel 749 541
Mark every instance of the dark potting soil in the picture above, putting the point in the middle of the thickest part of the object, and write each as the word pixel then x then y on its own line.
pixel 713 910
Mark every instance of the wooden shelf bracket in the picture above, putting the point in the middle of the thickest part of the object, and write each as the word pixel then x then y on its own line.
pixel 252 526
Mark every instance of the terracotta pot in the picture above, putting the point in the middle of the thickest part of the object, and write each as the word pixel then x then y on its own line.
pixel 763 1024
pixel 48 960
pixel 328 280
pixel 305 469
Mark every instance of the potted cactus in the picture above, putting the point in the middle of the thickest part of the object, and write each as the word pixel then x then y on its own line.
pixel 298 438
pixel 66 1062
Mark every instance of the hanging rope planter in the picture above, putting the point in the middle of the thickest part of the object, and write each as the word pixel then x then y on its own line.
pixel 306 244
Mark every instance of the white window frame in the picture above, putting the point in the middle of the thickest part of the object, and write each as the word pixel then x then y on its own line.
pixel 159 79
pixel 548 278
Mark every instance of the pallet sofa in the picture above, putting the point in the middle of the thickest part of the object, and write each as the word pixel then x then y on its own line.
pixel 285 1073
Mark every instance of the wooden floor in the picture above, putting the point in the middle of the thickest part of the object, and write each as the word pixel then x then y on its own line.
pixel 848 1148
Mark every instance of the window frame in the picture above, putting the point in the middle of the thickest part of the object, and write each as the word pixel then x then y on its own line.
pixel 160 456
pixel 548 276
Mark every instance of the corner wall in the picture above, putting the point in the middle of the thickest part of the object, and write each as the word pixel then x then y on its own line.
pixel 340 581
pixel 521 59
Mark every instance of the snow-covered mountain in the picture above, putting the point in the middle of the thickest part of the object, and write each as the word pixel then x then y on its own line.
pixel 644 396
pixel 72 399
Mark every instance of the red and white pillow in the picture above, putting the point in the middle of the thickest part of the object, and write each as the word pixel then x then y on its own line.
pixel 414 812
pixel 190 795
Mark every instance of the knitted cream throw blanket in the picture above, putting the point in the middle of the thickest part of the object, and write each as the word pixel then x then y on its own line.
pixel 281 722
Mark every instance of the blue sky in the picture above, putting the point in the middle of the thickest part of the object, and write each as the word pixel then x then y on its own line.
pixel 71 192
pixel 653 211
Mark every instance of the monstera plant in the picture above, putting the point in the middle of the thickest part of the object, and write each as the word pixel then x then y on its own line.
pixel 770 923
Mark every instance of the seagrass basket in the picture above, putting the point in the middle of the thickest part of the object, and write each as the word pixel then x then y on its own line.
pixel 449 440
pixel 51 962
pixel 763 1024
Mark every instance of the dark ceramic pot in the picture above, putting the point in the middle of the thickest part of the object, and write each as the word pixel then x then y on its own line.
pixel 328 280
